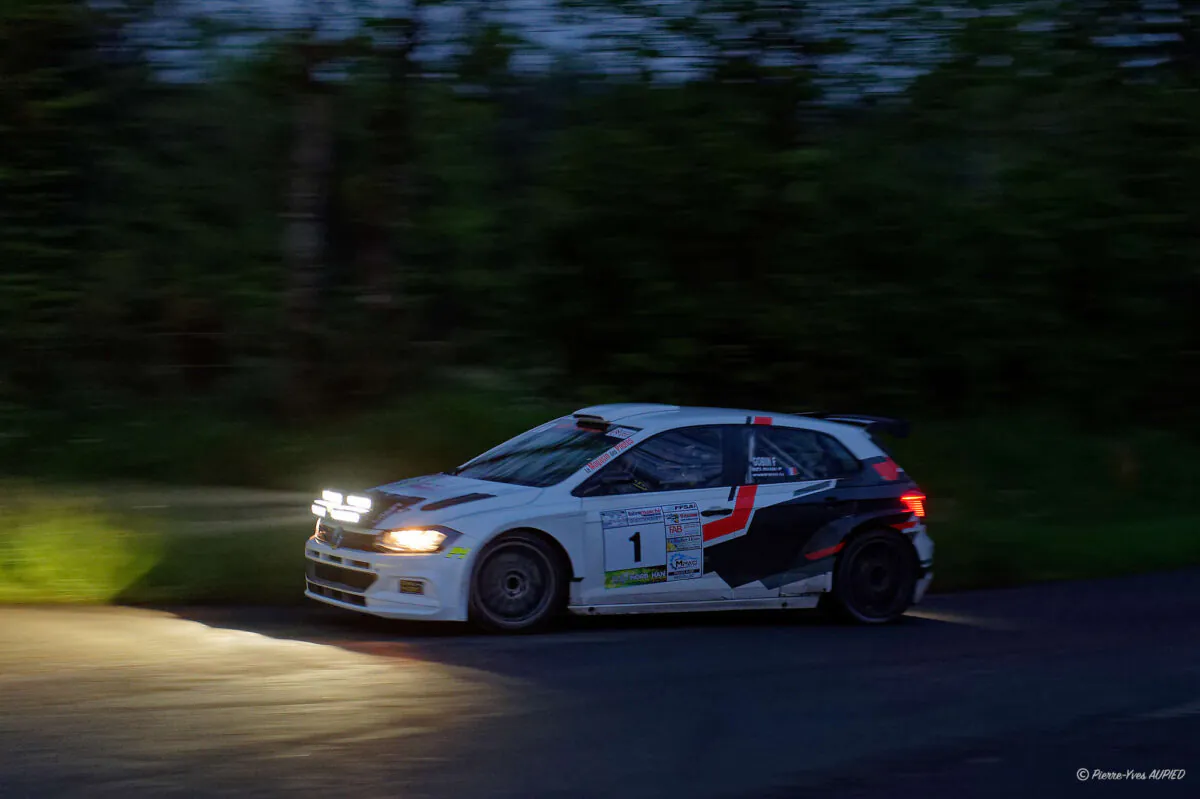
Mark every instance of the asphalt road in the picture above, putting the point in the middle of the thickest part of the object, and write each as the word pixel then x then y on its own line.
pixel 988 694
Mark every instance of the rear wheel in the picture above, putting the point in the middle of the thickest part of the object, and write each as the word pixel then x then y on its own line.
pixel 518 586
pixel 874 579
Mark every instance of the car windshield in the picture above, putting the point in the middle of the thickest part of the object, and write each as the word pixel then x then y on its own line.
pixel 545 455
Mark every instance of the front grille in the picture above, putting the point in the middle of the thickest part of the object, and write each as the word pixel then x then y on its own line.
pixel 326 572
pixel 364 542
pixel 340 596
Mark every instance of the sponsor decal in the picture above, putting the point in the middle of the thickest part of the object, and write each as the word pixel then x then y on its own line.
pixel 764 466
pixel 653 544
pixel 627 577
pixel 644 515
pixel 685 543
pixel 608 456
pixel 682 561
pixel 685 565
pixel 620 432
pixel 612 518
pixel 459 552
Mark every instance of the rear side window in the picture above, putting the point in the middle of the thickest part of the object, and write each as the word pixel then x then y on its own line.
pixel 678 460
pixel 788 454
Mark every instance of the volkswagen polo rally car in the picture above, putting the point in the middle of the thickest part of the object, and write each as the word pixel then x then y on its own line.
pixel 633 509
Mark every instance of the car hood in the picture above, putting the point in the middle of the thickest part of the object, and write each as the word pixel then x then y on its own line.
pixel 441 498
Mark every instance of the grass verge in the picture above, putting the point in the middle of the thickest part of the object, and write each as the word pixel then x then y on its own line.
pixel 73 548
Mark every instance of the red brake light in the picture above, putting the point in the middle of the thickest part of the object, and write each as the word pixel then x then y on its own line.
pixel 915 503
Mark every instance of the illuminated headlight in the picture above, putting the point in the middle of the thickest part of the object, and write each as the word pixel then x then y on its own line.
pixel 337 506
pixel 414 541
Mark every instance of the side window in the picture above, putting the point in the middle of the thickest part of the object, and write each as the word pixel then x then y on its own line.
pixel 788 454
pixel 691 457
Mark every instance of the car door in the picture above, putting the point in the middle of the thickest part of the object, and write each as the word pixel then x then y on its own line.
pixel 790 483
pixel 644 519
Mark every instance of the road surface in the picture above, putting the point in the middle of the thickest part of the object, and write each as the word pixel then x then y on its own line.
pixel 987 694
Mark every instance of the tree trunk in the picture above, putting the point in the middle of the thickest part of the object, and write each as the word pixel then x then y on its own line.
pixel 304 246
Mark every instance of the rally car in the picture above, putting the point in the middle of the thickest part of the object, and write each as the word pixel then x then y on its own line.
pixel 637 508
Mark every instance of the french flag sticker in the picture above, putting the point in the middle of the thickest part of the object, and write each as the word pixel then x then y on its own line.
pixel 791 471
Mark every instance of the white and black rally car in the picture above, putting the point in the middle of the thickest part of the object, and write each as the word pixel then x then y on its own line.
pixel 634 509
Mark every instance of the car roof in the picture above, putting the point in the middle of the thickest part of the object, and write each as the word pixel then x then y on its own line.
pixel 653 416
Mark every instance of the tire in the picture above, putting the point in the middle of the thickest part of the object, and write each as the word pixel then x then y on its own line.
pixel 874 578
pixel 519 585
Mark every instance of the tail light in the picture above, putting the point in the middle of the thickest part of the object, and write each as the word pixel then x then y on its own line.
pixel 915 503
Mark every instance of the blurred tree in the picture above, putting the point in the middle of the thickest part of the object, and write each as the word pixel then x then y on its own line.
pixel 51 85
pixel 929 207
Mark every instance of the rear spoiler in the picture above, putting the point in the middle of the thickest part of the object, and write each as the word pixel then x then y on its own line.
pixel 900 428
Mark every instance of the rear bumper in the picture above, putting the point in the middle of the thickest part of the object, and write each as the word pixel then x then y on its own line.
pixel 922 587
pixel 431 587
pixel 923 545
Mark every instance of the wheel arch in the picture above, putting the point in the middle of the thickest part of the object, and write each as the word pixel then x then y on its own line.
pixel 561 564
pixel 874 525
pixel 830 601
pixel 554 544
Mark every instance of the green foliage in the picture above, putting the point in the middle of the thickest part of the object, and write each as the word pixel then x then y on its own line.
pixel 248 567
pixel 1017 499
pixel 726 221
pixel 1011 500
pixel 194 445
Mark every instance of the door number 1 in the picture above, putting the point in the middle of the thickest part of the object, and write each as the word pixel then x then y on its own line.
pixel 636 540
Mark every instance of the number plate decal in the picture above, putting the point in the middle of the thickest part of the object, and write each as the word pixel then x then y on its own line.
pixel 657 544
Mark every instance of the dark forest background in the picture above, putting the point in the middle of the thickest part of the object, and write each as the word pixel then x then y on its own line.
pixel 365 241
pixel 994 210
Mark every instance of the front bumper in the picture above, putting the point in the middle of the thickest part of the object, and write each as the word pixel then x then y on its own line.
pixel 431 587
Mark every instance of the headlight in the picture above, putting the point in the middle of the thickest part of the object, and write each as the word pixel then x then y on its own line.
pixel 412 541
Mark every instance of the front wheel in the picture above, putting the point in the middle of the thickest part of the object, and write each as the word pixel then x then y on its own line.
pixel 518 585
pixel 874 579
